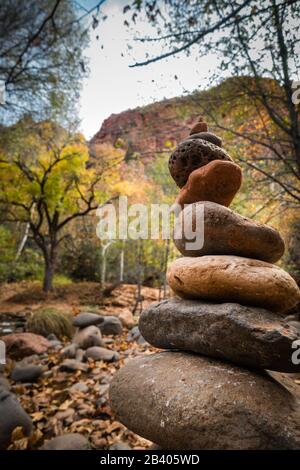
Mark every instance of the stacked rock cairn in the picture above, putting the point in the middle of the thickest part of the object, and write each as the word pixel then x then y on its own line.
pixel 224 330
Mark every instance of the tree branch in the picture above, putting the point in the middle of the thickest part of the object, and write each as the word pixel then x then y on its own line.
pixel 200 36
pixel 32 39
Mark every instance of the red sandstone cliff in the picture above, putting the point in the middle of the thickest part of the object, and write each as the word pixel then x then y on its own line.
pixel 150 129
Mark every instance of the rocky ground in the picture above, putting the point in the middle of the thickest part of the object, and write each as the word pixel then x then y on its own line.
pixel 63 386
pixel 65 401
pixel 54 393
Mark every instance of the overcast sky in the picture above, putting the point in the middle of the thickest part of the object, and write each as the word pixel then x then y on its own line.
pixel 113 87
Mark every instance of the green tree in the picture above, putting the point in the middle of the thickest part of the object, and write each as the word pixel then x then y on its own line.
pixel 45 181
pixel 41 56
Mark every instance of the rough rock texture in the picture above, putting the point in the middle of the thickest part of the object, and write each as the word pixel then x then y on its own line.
pixel 228 233
pixel 88 337
pixel 218 181
pixel 146 130
pixel 26 373
pixel 70 441
pixel 253 336
pixel 208 136
pixel 234 279
pixel 157 123
pixel 12 415
pixel 19 345
pixel 184 401
pixel 111 326
pixel 86 319
pixel 192 154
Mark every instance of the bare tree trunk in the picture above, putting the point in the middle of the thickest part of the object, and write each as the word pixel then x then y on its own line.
pixel 48 275
pixel 23 242
pixel 50 255
pixel 103 256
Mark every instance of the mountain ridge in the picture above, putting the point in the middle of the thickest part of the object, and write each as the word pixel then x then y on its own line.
pixel 156 127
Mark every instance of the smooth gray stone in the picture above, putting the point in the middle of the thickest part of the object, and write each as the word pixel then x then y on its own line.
pixel 101 354
pixel 86 319
pixel 111 326
pixel 69 352
pixel 247 336
pixel 26 373
pixel 12 415
pixel 71 365
pixel 135 335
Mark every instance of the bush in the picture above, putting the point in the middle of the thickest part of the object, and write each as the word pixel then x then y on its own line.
pixel 30 266
pixel 60 279
pixel 82 263
pixel 49 320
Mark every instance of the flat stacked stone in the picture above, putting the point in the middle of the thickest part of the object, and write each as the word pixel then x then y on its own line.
pixel 249 336
pixel 233 279
pixel 228 233
pixel 223 329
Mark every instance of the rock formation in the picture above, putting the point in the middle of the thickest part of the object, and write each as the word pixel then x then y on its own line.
pixel 223 328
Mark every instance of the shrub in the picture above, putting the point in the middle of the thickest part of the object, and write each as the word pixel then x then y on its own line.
pixel 49 320
pixel 60 279
pixel 28 267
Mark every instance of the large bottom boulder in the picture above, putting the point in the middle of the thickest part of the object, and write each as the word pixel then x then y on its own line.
pixel 185 401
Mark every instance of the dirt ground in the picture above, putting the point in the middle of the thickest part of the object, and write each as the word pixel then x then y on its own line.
pixel 25 297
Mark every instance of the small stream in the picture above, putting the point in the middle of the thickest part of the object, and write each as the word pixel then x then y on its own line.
pixel 11 323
